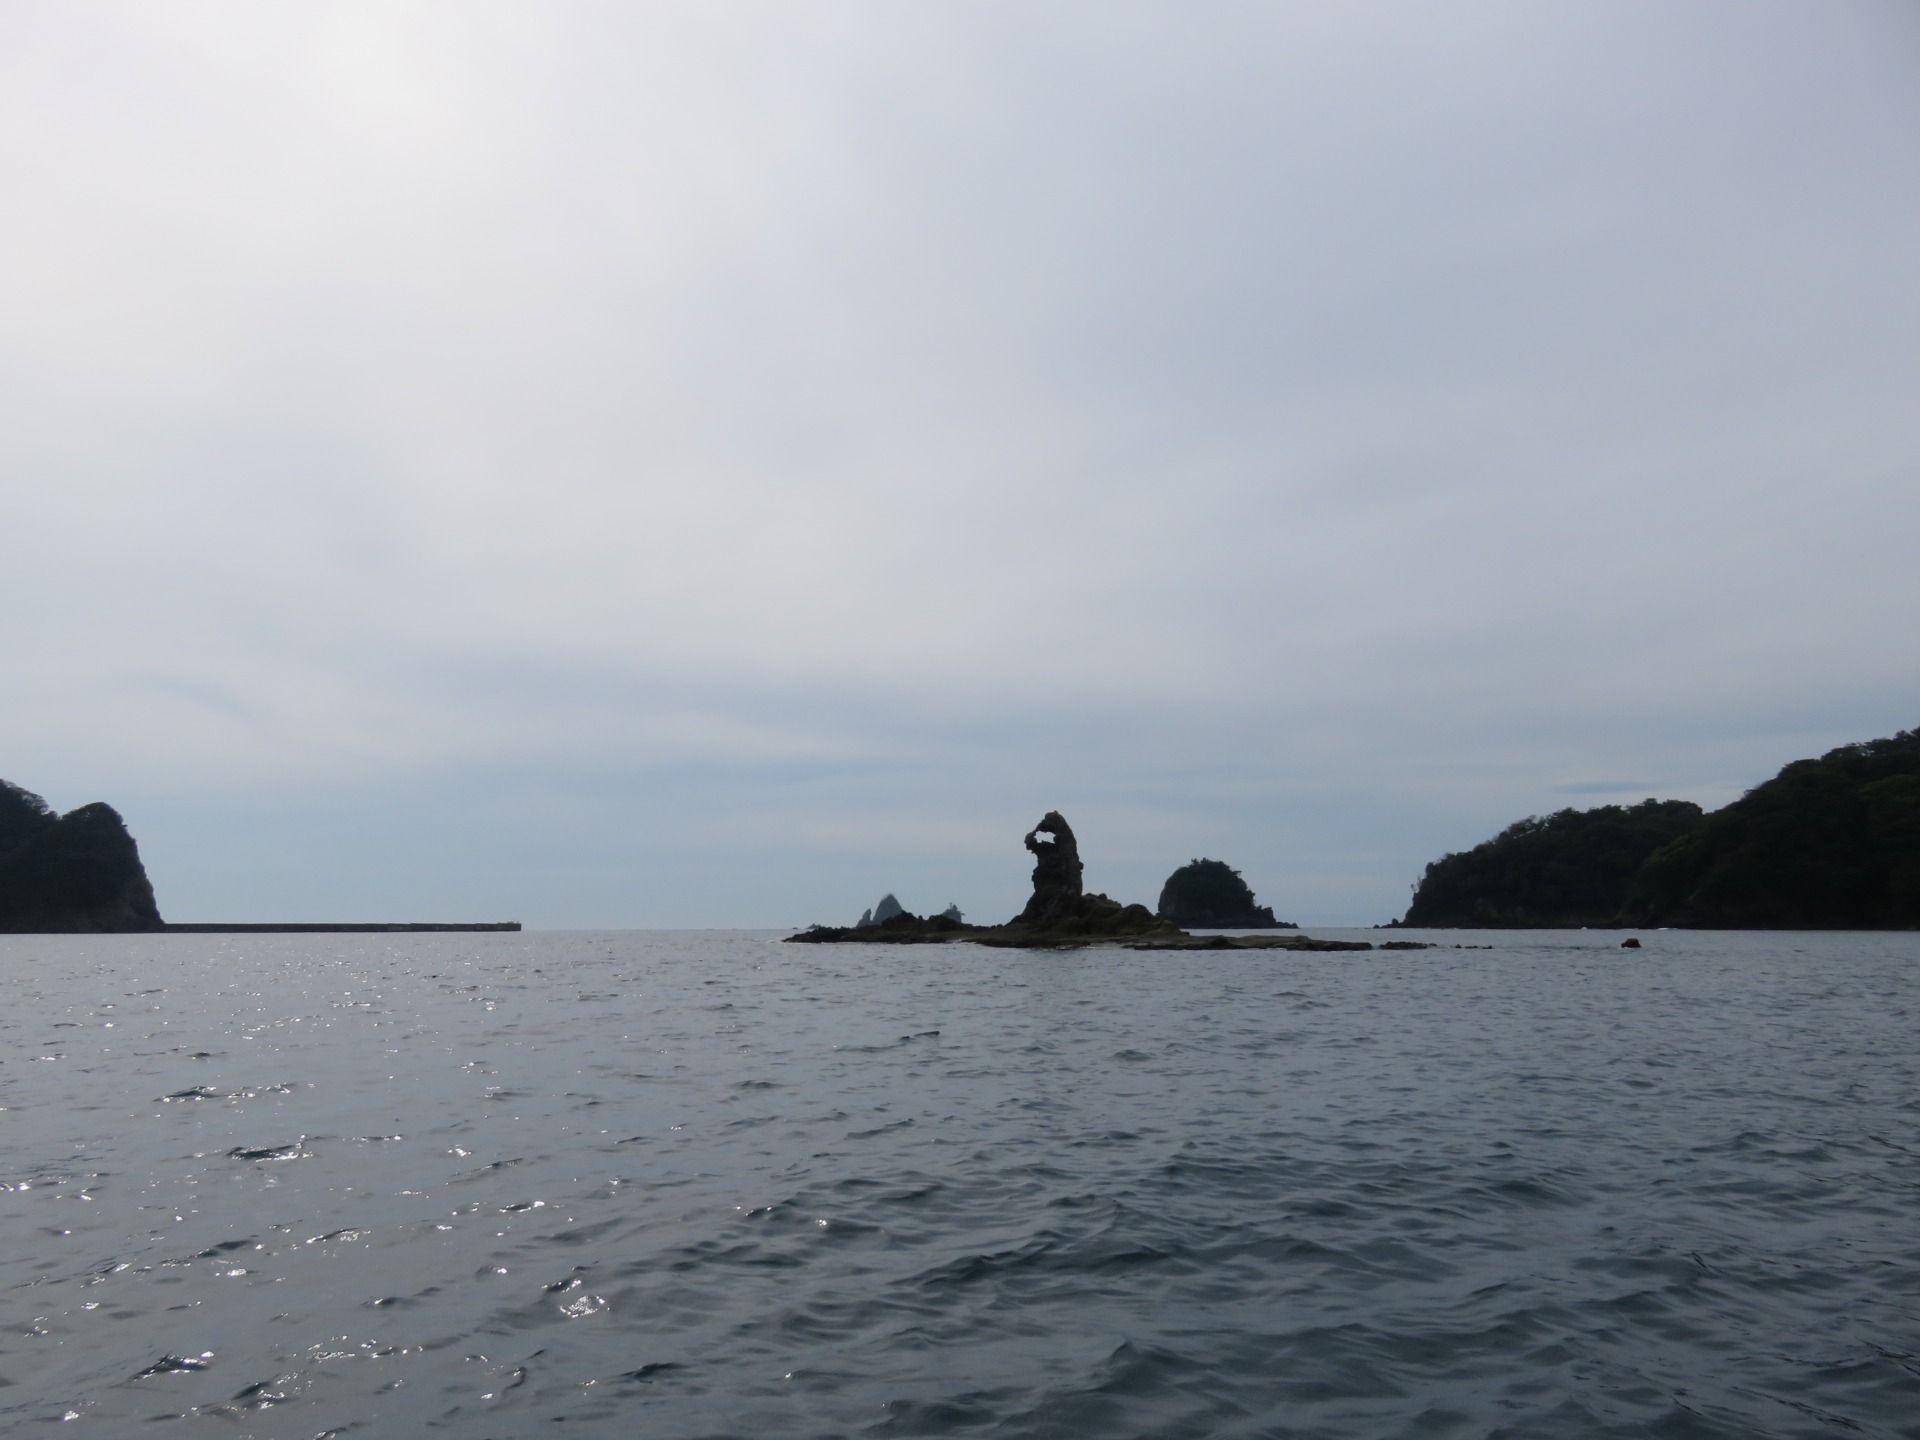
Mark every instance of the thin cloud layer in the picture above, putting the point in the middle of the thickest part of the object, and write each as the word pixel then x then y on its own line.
pixel 675 465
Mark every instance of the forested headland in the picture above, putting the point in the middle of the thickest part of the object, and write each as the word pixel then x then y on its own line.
pixel 1828 843
pixel 79 871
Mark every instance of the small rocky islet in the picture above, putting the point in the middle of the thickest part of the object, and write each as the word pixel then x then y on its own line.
pixel 1062 914
pixel 1211 895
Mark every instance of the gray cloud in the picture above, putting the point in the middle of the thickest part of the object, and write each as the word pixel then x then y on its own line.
pixel 1311 435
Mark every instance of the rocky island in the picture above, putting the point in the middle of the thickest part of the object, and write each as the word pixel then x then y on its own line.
pixel 890 906
pixel 1211 895
pixel 1060 914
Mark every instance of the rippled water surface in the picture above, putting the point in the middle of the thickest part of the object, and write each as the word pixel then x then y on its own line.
pixel 707 1184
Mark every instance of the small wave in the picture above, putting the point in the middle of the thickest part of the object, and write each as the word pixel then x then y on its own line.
pixel 195 1092
pixel 177 1364
pixel 292 1150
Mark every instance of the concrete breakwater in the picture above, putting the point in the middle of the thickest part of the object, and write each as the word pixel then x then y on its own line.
pixel 334 927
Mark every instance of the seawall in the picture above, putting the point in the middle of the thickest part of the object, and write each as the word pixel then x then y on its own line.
pixel 333 927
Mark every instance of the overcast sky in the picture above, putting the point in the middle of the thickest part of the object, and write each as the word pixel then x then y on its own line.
pixel 693 464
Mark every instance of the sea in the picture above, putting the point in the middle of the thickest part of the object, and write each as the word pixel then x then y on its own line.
pixel 705 1184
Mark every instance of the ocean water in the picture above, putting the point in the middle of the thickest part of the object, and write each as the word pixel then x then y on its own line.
pixel 705 1184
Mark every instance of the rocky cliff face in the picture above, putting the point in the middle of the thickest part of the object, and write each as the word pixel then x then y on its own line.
pixel 74 872
pixel 1057 871
pixel 1060 905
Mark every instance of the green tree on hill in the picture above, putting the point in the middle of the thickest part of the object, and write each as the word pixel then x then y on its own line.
pixel 1831 843
pixel 1826 843
pixel 1574 867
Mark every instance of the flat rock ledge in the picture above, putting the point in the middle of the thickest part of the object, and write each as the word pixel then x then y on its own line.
pixel 911 929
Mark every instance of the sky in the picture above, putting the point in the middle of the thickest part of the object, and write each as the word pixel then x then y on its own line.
pixel 672 464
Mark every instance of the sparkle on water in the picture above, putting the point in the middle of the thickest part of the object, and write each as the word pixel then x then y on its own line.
pixel 706 1184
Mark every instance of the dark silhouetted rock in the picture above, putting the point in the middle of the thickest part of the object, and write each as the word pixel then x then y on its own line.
pixel 1062 915
pixel 1057 889
pixel 890 906
pixel 75 872
pixel 1630 943
pixel 1210 895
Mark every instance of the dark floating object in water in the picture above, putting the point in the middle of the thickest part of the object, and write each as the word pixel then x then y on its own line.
pixel 1062 915
pixel 1632 942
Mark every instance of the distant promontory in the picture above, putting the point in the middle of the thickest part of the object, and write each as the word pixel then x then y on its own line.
pixel 1828 843
pixel 78 872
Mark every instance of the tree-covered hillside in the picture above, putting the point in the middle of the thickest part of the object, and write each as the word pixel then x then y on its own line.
pixel 1832 843
pixel 1574 867
pixel 79 871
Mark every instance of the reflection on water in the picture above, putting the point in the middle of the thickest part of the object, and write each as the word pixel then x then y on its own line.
pixel 706 1184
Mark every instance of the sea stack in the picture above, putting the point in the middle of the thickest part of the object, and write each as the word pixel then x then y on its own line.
pixel 1057 872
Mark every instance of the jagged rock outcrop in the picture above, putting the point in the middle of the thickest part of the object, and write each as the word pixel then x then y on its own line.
pixel 888 907
pixel 1060 905
pixel 75 872
pixel 1057 872
pixel 1210 895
